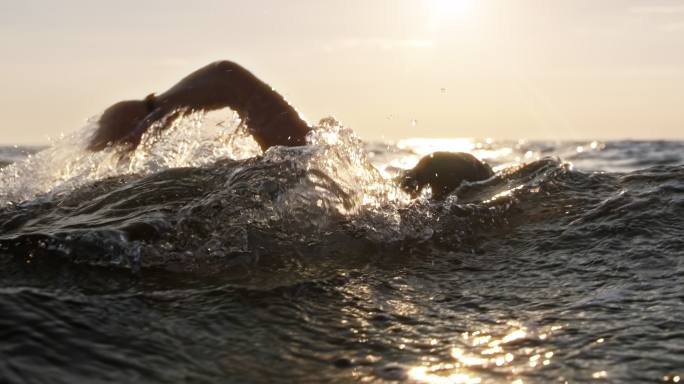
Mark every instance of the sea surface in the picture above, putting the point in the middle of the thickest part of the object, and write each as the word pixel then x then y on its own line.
pixel 198 259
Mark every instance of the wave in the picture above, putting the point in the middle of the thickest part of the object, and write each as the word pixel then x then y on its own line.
pixel 202 198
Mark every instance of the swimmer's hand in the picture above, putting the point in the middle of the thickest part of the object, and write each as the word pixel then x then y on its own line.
pixel 124 123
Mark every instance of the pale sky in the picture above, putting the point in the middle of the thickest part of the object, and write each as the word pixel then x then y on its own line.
pixel 534 69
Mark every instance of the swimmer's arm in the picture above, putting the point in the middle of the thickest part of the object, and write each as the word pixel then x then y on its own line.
pixel 269 118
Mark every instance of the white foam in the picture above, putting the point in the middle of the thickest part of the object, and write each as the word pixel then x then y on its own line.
pixel 191 141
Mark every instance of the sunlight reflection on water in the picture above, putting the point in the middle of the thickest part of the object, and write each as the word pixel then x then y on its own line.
pixel 484 352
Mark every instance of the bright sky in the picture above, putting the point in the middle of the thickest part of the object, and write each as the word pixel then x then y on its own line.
pixel 535 69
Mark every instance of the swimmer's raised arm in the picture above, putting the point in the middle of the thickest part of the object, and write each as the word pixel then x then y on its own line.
pixel 270 119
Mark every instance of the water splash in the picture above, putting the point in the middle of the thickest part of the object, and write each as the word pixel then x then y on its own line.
pixel 337 155
pixel 192 141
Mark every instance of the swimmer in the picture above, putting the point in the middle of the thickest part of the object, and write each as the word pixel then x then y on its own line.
pixel 269 118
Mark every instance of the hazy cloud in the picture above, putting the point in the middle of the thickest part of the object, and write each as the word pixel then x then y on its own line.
pixel 377 43
pixel 657 9
pixel 673 27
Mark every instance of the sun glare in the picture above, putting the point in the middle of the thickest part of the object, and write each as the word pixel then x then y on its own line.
pixel 446 12
pixel 452 8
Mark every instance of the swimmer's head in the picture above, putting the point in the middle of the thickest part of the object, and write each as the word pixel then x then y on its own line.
pixel 443 172
pixel 117 122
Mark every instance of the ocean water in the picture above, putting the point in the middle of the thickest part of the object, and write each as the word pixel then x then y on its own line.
pixel 197 259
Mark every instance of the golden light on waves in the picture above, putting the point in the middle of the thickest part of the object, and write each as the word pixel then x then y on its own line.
pixel 483 350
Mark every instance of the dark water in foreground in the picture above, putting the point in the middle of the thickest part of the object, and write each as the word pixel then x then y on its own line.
pixel 292 268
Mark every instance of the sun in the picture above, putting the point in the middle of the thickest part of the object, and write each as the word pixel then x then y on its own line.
pixel 446 9
pixel 444 13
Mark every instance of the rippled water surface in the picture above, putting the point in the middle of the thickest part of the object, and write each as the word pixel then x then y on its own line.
pixel 198 259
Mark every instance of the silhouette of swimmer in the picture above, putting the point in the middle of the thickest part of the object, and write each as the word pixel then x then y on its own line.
pixel 444 172
pixel 269 118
